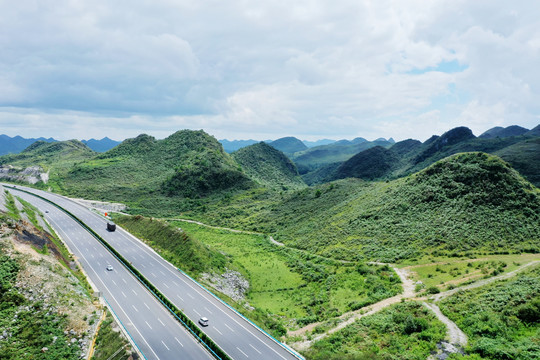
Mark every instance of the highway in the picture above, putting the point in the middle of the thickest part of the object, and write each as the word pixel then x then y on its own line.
pixel 157 334
pixel 235 335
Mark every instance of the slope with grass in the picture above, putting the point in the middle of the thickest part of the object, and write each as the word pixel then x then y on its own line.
pixel 288 145
pixel 403 331
pixel 286 288
pixel 268 166
pixel 524 156
pixel 55 158
pixel 147 173
pixel 501 320
pixel 339 151
pixel 175 245
pixel 467 202
pixel 45 311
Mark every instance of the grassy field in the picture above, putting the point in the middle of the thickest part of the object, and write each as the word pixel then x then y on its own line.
pixel 446 272
pixel 294 286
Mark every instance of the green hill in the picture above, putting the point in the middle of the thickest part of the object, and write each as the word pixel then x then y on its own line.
pixel 56 158
pixel 467 202
pixel 524 156
pixel 288 145
pixel 534 131
pixel 499 131
pixel 409 156
pixel 49 153
pixel 186 164
pixel 318 156
pixel 268 166
pixel 368 165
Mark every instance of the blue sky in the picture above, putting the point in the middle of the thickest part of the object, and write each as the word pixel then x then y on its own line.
pixel 266 69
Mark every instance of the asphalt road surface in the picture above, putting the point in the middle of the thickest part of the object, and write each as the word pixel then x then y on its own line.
pixel 157 334
pixel 235 335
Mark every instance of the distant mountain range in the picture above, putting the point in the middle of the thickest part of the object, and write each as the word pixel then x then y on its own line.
pixel 289 144
pixel 16 144
pixel 102 145
pixel 518 146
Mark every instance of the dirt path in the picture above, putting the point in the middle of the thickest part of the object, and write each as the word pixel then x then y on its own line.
pixel 445 294
pixel 351 316
pixel 455 335
pixel 445 263
pixel 217 227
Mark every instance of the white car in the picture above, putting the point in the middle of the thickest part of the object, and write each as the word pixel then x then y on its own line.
pixel 203 321
pixel 109 268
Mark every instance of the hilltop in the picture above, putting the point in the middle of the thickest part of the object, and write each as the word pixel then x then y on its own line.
pixel 268 166
pixel 101 145
pixel 409 156
pixel 499 131
pixel 44 160
pixel 185 164
pixel 16 144
pixel 314 158
pixel 288 145
pixel 466 202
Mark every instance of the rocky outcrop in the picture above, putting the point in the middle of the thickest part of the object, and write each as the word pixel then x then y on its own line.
pixel 31 174
pixel 230 283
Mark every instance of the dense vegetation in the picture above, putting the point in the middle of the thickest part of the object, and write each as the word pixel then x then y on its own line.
pixel 57 158
pixel 268 166
pixel 315 157
pixel 502 320
pixel 287 287
pixel 29 326
pixel 406 157
pixel 186 164
pixel 467 202
pixel 288 145
pixel 174 245
pixel 405 331
pixel 109 345
pixel 499 131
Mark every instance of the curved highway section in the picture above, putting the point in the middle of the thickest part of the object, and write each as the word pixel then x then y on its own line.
pixel 154 330
pixel 238 337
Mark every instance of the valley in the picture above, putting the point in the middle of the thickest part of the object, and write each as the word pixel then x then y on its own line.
pixel 351 266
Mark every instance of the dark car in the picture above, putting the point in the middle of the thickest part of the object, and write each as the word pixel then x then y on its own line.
pixel 111 226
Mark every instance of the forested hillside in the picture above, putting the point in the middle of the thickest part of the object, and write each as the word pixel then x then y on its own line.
pixel 268 166
pixel 467 202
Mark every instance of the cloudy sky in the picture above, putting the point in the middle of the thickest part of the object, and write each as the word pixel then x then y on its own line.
pixel 266 69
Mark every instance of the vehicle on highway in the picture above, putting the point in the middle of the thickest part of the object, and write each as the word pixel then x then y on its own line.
pixel 111 226
pixel 46 211
pixel 109 268
pixel 203 321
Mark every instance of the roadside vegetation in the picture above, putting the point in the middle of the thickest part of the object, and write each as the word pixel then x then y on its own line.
pixel 35 324
pixel 109 343
pixel 501 320
pixel 290 286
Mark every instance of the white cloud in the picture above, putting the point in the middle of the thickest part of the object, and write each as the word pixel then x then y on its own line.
pixel 268 68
